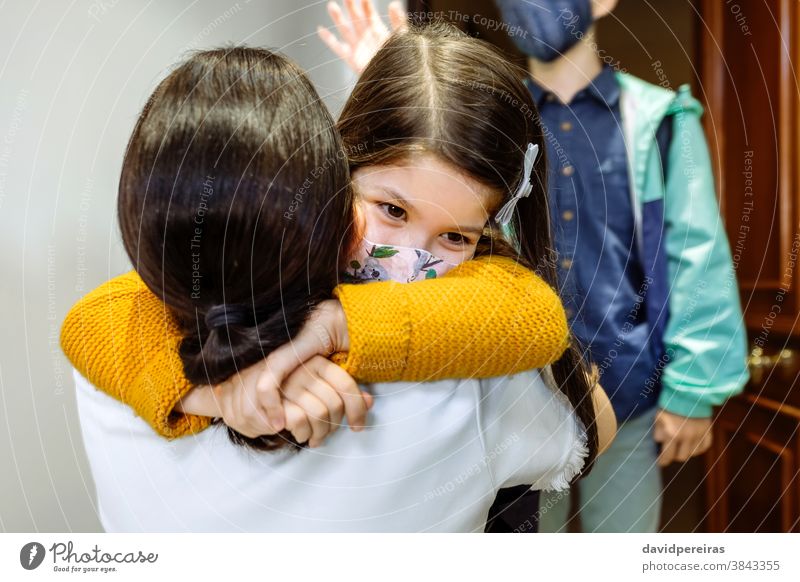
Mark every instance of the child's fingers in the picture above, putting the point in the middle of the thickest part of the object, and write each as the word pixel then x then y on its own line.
pixel 239 411
pixel 277 367
pixel 685 450
pixel 704 445
pixel 371 15
pixel 357 21
pixel 355 401
pixel 340 50
pixel 297 422
pixel 253 419
pixel 667 454
pixel 268 394
pixel 344 28
pixel 331 399
pixel 317 416
pixel 397 16
pixel 280 364
pixel 200 400
pixel 237 405
pixel 306 379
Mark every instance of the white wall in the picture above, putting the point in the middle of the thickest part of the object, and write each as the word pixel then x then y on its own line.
pixel 73 77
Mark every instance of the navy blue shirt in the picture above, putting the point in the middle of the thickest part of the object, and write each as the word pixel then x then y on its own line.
pixel 600 276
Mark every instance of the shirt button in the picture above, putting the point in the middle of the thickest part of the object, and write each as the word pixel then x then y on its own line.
pixel 567 170
pixel 566 126
pixel 550 97
pixel 566 263
pixel 568 215
pixel 568 312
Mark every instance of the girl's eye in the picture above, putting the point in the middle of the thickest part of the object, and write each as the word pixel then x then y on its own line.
pixel 456 238
pixel 393 211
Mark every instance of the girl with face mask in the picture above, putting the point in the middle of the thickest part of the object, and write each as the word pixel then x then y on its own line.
pixel 408 163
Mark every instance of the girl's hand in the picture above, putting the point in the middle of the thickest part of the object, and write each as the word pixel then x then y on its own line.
pixel 234 401
pixel 316 395
pixel 362 31
pixel 261 410
pixel 324 333
pixel 325 393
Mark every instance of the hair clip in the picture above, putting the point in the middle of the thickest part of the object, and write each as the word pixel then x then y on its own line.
pixel 503 217
pixel 226 315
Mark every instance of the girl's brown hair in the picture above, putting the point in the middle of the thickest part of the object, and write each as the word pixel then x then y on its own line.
pixel 435 89
pixel 234 200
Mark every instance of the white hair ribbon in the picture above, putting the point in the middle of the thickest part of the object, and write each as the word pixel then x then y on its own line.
pixel 504 216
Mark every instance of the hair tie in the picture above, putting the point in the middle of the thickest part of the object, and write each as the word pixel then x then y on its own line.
pixel 227 315
pixel 503 217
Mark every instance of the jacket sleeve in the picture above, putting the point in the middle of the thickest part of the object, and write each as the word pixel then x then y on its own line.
pixel 705 339
pixel 486 318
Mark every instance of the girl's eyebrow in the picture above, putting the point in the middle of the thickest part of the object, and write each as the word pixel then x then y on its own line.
pixel 396 195
pixel 471 229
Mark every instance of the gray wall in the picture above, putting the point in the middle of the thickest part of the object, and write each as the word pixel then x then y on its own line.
pixel 73 77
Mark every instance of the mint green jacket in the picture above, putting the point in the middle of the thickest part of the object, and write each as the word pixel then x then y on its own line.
pixel 693 299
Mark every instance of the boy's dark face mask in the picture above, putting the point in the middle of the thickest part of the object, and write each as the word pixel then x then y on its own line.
pixel 546 29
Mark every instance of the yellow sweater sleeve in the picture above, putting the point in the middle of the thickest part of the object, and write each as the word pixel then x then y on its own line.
pixel 123 339
pixel 488 317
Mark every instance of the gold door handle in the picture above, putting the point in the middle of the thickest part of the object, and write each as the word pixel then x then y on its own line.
pixel 759 362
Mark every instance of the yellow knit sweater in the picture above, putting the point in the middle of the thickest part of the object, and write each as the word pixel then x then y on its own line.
pixel 487 317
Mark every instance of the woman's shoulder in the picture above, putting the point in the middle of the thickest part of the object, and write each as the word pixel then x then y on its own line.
pixel 533 424
pixel 536 388
pixel 536 382
pixel 412 389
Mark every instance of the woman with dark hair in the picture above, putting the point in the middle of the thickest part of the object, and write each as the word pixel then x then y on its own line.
pixel 263 160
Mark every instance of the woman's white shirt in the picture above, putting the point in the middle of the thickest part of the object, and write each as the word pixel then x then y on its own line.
pixel 431 459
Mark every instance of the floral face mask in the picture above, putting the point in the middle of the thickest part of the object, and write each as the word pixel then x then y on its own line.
pixel 378 262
